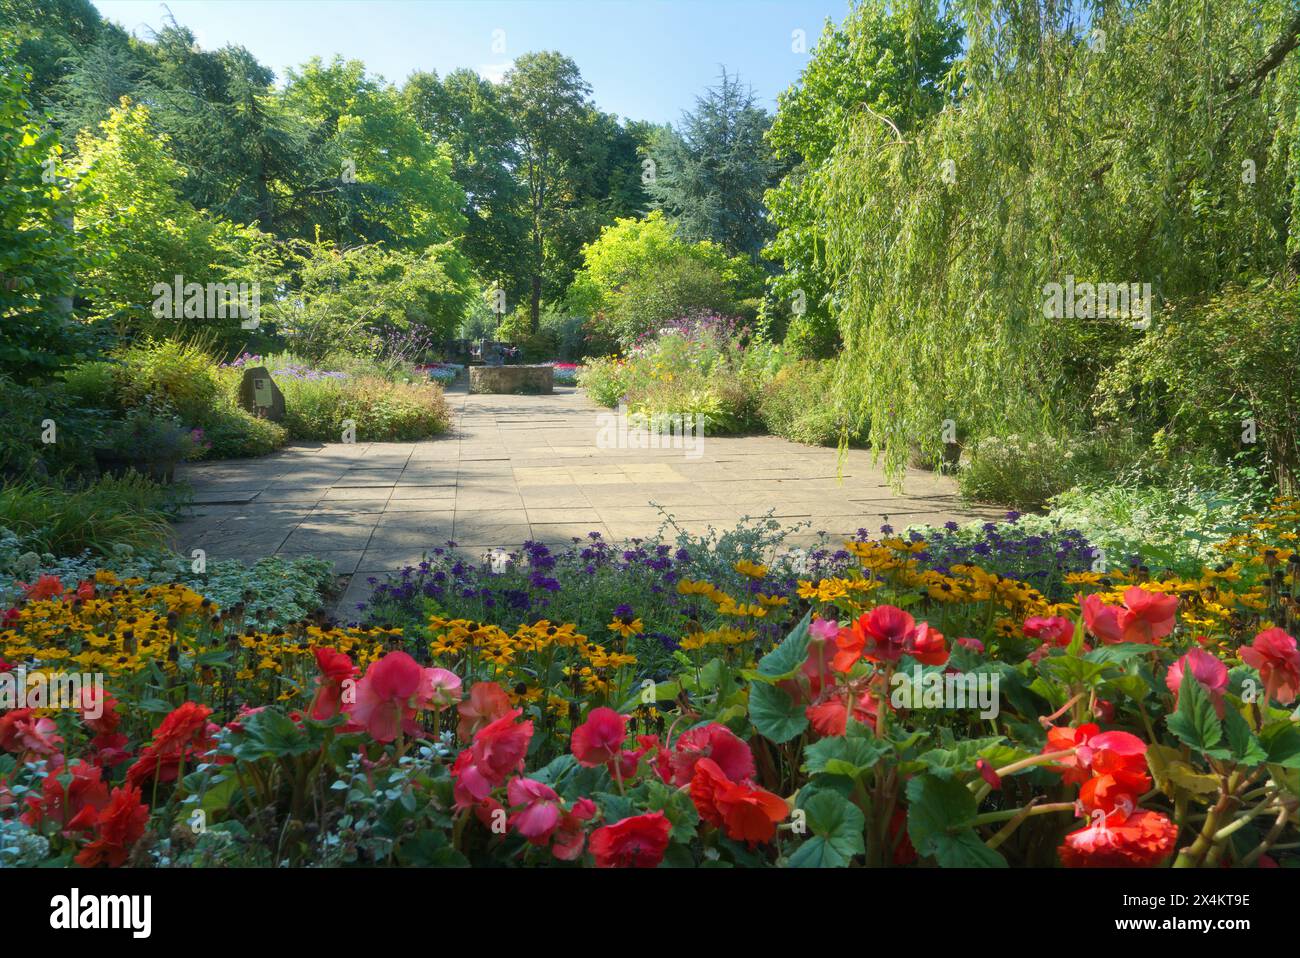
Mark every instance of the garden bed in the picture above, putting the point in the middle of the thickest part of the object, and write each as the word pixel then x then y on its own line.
pixel 682 703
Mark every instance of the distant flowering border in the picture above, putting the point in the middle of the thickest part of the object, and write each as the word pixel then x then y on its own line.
pixel 285 370
pixel 444 373
pixel 566 374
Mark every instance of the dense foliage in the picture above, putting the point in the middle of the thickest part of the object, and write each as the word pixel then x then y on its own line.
pixel 1091 143
pixel 37 256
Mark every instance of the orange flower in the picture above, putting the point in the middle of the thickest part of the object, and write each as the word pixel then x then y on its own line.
pixel 1275 655
pixel 45 587
pixel 831 716
pixel 1072 770
pixel 1141 840
pixel 747 813
pixel 886 634
pixel 487 702
pixel 751 814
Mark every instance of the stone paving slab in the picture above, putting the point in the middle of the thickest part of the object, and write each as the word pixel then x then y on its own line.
pixel 521 467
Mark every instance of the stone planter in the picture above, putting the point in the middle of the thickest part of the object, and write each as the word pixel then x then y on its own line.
pixel 512 380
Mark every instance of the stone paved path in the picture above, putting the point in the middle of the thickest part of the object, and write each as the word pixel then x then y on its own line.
pixel 520 467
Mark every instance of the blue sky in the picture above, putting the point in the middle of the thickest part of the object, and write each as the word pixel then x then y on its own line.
pixel 644 59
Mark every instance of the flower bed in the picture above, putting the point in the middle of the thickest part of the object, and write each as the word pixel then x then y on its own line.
pixel 444 373
pixel 796 712
pixel 566 374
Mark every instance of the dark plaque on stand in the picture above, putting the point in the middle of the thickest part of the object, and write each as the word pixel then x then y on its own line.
pixel 259 394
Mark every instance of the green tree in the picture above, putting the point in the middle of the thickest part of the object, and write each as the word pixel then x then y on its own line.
pixel 245 157
pixel 38 259
pixel 100 74
pixel 343 299
pixel 890 60
pixel 465 112
pixel 711 175
pixel 558 157
pixel 379 177
pixel 1112 143
pixel 48 33
pixel 633 251
pixel 622 180
pixel 138 233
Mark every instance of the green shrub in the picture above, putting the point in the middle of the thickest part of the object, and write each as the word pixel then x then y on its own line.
pixel 811 337
pixel 1025 472
pixel 383 411
pixel 1171 515
pixel 33 413
pixel 354 364
pixel 604 380
pixel 93 384
pixel 568 333
pixel 538 347
pixel 683 287
pixel 110 512
pixel 703 367
pixel 597 340
pixel 274 591
pixel 1207 373
pixel 557 336
pixel 513 326
pixel 179 375
pixel 798 404
pixel 183 379
pixel 234 433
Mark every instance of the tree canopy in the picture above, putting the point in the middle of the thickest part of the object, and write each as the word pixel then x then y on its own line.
pixel 1094 143
pixel 711 174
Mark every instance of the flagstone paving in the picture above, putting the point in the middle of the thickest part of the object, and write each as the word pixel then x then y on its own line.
pixel 529 467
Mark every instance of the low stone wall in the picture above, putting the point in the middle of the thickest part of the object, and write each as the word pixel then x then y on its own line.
pixel 511 379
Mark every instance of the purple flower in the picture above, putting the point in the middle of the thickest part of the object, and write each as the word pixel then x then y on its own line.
pixel 540 581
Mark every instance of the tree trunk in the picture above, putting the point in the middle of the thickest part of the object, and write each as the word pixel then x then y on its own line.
pixel 63 304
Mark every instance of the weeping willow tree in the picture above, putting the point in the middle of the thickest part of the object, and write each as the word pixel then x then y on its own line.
pixel 1102 142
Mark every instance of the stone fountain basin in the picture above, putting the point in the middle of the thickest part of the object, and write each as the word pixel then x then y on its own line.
pixel 512 380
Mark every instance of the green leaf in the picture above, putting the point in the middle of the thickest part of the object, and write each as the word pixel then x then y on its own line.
pixel 1243 744
pixel 965 850
pixel 777 717
pixel 962 756
pixel 786 659
pixel 841 755
pixel 1117 653
pixel 1195 721
pixel 270 734
pixel 1282 742
pixel 614 808
pixel 1131 686
pixel 678 808
pixel 937 803
pixel 835 825
pixel 1072 671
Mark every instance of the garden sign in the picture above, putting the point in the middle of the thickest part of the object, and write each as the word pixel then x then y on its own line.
pixel 259 394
